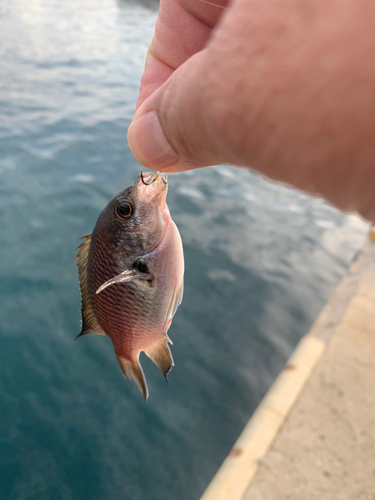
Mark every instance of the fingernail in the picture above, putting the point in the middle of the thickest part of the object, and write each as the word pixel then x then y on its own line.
pixel 148 143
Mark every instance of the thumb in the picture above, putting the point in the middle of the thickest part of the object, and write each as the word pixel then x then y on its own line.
pixel 174 129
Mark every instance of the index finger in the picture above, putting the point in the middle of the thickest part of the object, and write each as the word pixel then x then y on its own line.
pixel 182 29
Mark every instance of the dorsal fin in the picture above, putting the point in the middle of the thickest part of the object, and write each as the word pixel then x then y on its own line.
pixel 161 355
pixel 89 321
pixel 133 370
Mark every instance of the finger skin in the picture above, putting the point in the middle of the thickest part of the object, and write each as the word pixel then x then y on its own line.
pixel 181 30
pixel 286 88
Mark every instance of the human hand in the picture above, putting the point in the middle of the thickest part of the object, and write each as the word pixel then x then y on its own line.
pixel 286 88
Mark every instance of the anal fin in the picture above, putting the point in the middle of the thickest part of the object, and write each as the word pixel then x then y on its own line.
pixel 133 370
pixel 161 355
pixel 175 301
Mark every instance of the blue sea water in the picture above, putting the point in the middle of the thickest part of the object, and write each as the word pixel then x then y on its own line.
pixel 261 261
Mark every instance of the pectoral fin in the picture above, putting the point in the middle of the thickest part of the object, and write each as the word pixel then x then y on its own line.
pixel 89 321
pixel 133 370
pixel 161 355
pixel 125 276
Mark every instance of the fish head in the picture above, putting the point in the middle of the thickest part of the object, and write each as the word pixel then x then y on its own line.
pixel 135 220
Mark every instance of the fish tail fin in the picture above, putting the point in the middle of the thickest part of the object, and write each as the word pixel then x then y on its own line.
pixel 133 370
pixel 161 355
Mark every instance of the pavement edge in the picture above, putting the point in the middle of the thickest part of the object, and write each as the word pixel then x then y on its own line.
pixel 240 466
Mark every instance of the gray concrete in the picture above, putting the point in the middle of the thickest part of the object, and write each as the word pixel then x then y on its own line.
pixel 325 450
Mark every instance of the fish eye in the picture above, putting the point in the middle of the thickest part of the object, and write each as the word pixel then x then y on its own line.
pixel 123 209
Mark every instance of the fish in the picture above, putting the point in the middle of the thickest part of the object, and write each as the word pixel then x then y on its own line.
pixel 131 275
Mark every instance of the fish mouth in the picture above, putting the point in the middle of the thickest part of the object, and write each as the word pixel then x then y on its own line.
pixel 148 178
pixel 152 188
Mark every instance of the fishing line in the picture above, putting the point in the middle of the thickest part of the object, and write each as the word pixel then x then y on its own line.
pixel 214 4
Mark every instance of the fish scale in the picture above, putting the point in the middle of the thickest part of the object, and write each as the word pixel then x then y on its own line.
pixel 131 276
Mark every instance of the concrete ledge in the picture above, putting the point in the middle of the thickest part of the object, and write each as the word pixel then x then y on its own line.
pixel 239 468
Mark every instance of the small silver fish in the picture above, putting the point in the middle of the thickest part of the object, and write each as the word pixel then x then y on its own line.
pixel 131 276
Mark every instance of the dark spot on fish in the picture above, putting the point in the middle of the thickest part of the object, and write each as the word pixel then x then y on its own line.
pixel 141 266
pixel 235 452
pixel 290 367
